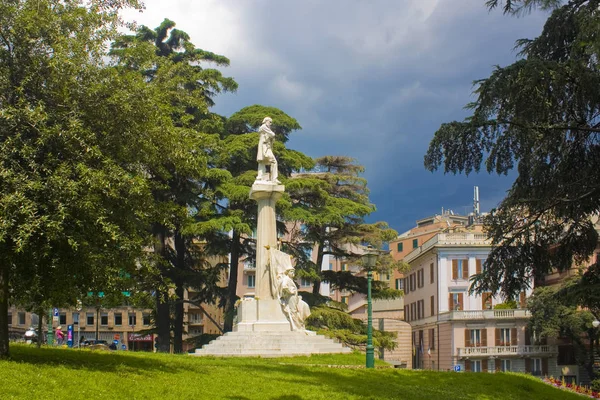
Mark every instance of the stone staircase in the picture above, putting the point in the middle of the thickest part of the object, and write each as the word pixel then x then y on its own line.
pixel 270 344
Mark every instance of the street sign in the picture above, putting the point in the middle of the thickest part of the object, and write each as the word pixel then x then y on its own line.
pixel 457 368
pixel 55 312
pixel 55 318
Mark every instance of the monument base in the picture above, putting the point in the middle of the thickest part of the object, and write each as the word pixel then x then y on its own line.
pixel 259 315
pixel 262 330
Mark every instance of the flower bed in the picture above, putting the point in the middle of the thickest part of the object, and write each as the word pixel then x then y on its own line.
pixel 584 390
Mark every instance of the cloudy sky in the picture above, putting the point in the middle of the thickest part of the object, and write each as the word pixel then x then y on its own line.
pixel 369 79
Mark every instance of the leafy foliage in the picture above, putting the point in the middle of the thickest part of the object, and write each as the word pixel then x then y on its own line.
pixel 539 115
pixel 335 323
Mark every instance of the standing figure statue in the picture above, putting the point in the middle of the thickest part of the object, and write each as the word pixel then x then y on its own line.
pixel 265 155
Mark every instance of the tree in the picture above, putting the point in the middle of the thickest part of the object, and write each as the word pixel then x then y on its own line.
pixel 167 58
pixel 328 208
pixel 76 142
pixel 539 115
pixel 555 315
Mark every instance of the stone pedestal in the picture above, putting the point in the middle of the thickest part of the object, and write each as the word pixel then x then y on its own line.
pixel 266 195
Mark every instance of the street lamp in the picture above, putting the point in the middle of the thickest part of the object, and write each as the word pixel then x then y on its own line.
pixel 595 323
pixel 370 260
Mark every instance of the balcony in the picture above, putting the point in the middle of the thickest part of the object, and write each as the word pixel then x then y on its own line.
pixel 249 266
pixel 450 239
pixel 504 351
pixel 483 315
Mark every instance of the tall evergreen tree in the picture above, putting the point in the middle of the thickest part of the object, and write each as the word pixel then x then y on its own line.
pixel 539 115
pixel 329 207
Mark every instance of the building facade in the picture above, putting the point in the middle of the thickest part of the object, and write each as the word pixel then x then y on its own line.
pixel 453 329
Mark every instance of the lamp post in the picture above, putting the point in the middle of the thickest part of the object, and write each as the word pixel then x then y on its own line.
pixel 79 307
pixel 370 260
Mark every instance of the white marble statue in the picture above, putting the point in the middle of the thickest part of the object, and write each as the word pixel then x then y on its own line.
pixel 265 155
pixel 284 288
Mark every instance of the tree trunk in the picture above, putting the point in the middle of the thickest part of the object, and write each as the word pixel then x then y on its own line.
pixel 40 327
pixel 179 292
pixel 317 284
pixel 163 317
pixel 4 275
pixel 232 285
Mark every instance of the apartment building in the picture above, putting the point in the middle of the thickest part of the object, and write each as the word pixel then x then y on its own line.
pixel 453 329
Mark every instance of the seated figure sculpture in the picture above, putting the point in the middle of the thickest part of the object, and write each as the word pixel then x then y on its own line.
pixel 284 288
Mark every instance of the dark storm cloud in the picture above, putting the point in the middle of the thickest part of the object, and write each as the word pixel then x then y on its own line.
pixel 368 79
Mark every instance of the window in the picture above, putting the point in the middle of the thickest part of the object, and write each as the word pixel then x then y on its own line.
pixel 146 319
pixel 420 309
pixel 118 319
pixel 195 318
pixel 400 247
pixel 566 355
pixel 21 318
pixel 399 284
pixel 536 364
pixel 412 282
pixel 506 336
pixel 475 366
pixel 431 273
pixel 432 338
pixel 197 331
pixel 460 269
pixel 504 365
pixel 406 284
pixel 75 316
pixel 415 243
pixel 132 319
pixel 421 278
pixel 455 301
pixel 305 282
pixel 89 318
pixel 62 318
pixel 345 299
pixel 486 301
pixel 475 337
pixel 9 318
pixel 251 281
pixel 344 267
pixel 331 266
pixel 413 311
pixel 406 314
pixel 104 319
pixel 432 305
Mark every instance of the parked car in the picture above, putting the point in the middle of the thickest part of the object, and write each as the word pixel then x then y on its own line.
pixel 94 344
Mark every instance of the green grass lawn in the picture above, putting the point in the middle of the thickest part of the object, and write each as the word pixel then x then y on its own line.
pixel 50 373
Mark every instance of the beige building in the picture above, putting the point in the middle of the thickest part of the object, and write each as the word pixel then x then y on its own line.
pixel 452 329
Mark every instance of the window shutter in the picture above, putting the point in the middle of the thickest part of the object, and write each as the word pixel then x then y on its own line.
pixel 513 336
pixel 484 365
pixel 454 270
pixel 431 273
pixel 460 301
pixel 527 337
pixel 528 365
pixel 465 270
pixel 544 366
pixel 450 302
pixel 468 338
pixel 522 300
pixel 467 366
pixel 478 266
pixel 432 305
pixel 484 338
pixel 497 335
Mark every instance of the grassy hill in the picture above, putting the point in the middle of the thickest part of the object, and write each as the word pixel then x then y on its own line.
pixel 50 373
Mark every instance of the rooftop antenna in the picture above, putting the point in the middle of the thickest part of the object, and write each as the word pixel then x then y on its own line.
pixel 476 201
